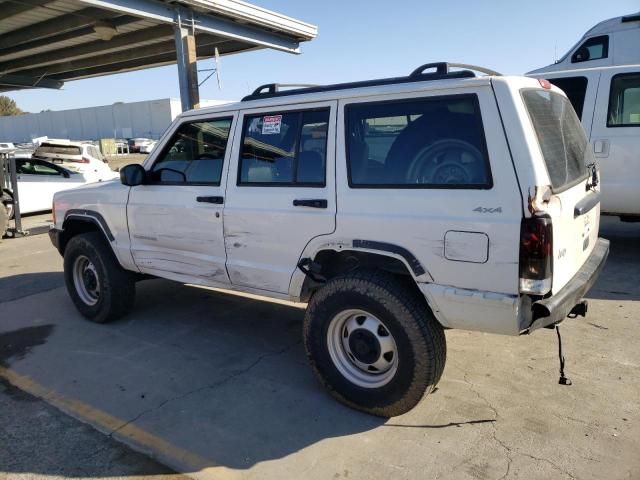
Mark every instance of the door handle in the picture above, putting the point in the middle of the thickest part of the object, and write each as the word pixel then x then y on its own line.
pixel 313 203
pixel 216 200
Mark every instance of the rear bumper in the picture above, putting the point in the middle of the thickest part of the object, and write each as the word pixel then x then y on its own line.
pixel 556 308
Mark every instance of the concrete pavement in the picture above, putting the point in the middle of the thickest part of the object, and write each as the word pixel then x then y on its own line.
pixel 217 386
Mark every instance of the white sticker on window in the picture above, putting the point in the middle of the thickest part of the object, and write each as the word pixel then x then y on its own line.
pixel 271 124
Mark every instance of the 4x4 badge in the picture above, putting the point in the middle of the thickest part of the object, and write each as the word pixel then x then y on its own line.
pixel 488 210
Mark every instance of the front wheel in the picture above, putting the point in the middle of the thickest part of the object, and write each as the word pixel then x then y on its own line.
pixel 100 289
pixel 374 343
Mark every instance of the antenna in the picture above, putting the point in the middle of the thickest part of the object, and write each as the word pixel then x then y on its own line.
pixel 213 71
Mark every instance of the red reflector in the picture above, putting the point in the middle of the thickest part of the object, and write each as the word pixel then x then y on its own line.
pixel 84 160
pixel 544 83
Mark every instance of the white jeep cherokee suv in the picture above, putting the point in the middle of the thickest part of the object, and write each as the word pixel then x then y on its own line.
pixel 396 208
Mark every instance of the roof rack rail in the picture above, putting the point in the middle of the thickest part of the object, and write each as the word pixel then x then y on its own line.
pixel 442 72
pixel 277 87
pixel 631 18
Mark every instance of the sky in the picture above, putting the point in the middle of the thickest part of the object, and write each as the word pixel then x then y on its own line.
pixel 360 40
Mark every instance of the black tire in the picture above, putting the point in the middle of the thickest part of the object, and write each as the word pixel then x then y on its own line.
pixel 420 341
pixel 116 286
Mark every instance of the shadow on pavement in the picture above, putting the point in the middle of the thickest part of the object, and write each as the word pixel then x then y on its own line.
pixel 620 278
pixel 25 284
pixel 222 377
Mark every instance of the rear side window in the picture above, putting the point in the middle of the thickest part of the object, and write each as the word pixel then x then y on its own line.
pixel 592 49
pixel 194 155
pixel 285 149
pixel 576 90
pixel 436 142
pixel 59 149
pixel 560 135
pixel 624 101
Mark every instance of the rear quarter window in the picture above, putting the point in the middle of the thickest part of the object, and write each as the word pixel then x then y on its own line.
pixel 435 142
pixel 560 136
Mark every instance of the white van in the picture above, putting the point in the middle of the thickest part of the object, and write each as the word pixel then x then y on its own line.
pixel 601 77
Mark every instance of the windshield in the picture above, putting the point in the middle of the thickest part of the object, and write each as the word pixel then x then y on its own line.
pixel 560 135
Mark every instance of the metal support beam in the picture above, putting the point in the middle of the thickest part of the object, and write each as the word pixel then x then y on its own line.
pixel 11 9
pixel 119 56
pixel 204 51
pixel 186 57
pixel 24 48
pixel 137 38
pixel 162 12
pixel 54 26
pixel 21 81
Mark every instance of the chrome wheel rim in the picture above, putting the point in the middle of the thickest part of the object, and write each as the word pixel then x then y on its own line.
pixel 362 348
pixel 86 280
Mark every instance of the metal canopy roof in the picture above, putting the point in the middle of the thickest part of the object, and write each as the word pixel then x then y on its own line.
pixel 44 43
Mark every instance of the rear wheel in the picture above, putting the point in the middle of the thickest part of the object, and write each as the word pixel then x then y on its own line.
pixel 374 343
pixel 100 289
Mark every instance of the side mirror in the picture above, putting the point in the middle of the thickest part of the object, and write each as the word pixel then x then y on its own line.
pixel 132 175
pixel 65 174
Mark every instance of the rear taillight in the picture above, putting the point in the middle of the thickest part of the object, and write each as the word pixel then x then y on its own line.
pixel 536 255
pixel 84 160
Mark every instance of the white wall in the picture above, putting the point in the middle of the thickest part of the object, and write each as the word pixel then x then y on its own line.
pixel 121 120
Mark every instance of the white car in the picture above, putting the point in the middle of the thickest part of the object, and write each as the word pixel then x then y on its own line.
pixel 147 147
pixel 395 207
pixel 38 180
pixel 6 147
pixel 601 77
pixel 80 157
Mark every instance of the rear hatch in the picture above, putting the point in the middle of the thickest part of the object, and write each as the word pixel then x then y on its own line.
pixel 59 152
pixel 572 205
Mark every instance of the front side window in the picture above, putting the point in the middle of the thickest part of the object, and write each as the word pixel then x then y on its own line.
pixel 576 90
pixel 624 101
pixel 592 49
pixel 560 135
pixel 33 167
pixel 288 148
pixel 194 155
pixel 426 143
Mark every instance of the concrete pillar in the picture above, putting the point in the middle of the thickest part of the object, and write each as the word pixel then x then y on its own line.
pixel 186 58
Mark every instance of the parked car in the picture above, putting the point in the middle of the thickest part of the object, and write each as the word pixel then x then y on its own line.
pixel 136 143
pixel 601 77
pixel 477 209
pixel 39 180
pixel 84 158
pixel 6 147
pixel 147 147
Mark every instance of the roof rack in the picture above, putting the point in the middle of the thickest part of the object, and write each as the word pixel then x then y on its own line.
pixel 631 18
pixel 442 72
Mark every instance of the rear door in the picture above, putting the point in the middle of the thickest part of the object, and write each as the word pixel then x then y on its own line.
pixel 615 137
pixel 573 207
pixel 280 191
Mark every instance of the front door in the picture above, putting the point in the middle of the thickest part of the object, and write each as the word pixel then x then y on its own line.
pixel 280 192
pixel 175 218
